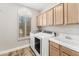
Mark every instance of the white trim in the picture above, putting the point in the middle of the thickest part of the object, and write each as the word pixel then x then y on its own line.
pixel 14 49
pixel 24 37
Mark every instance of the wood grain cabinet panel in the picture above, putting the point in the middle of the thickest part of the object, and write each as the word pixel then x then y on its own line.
pixel 59 50
pixel 53 49
pixel 71 13
pixel 65 13
pixel 39 20
pixel 64 54
pixel 58 15
pixel 44 19
pixel 50 17
pixel 55 45
pixel 68 51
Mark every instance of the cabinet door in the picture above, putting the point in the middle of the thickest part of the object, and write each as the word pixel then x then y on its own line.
pixel 64 54
pixel 58 15
pixel 44 19
pixel 53 51
pixel 50 17
pixel 68 51
pixel 39 20
pixel 72 13
pixel 65 13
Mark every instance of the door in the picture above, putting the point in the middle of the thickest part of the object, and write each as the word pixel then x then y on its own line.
pixel 58 15
pixel 53 51
pixel 37 45
pixel 50 17
pixel 39 20
pixel 64 54
pixel 44 20
pixel 71 13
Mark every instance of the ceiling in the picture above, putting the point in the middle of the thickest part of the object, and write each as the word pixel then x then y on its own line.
pixel 38 6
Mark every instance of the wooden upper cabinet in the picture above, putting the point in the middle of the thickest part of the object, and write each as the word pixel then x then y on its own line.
pixel 44 19
pixel 58 15
pixel 71 13
pixel 50 17
pixel 39 20
pixel 66 13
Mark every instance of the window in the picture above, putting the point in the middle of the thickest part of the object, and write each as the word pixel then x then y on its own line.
pixel 24 23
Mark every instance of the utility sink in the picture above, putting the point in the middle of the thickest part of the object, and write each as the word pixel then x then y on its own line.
pixel 67 40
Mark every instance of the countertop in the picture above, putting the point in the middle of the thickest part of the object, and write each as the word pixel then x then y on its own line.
pixel 69 44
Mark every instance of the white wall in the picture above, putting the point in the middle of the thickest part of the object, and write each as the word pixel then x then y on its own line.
pixel 8 27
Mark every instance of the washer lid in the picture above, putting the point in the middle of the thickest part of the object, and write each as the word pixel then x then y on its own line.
pixel 43 35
